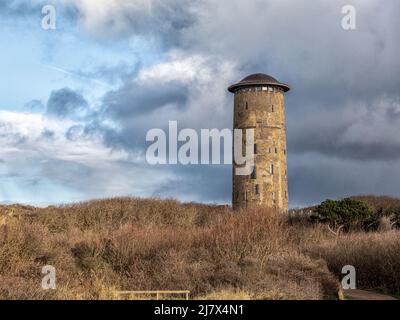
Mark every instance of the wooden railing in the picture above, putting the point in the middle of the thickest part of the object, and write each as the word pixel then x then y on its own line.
pixel 157 293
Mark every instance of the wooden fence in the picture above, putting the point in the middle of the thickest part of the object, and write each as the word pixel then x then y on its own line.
pixel 157 293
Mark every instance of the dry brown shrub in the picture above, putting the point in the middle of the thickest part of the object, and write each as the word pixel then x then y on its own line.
pixel 375 256
pixel 150 244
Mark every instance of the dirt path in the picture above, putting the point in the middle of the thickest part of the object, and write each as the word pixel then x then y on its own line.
pixel 366 295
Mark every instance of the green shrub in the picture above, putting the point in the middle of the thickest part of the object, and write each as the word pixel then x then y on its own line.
pixel 347 214
pixel 384 208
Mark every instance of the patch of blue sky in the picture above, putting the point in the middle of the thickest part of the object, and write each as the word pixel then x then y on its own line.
pixel 39 192
pixel 34 61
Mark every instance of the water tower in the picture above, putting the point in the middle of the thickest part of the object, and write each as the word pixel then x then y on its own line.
pixel 259 103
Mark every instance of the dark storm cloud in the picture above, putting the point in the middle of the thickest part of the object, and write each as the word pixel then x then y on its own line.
pixel 343 112
pixel 158 21
pixel 328 68
pixel 357 131
pixel 134 99
pixel 315 177
pixel 135 108
pixel 67 103
pixel 209 184
pixel 343 104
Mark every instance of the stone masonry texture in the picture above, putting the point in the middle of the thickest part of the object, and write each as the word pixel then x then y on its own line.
pixel 262 107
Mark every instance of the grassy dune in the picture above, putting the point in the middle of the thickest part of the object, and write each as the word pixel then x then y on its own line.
pixel 101 246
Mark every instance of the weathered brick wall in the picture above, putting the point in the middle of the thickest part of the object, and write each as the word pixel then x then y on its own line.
pixel 265 112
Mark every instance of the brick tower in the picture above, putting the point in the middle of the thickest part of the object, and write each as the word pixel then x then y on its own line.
pixel 260 104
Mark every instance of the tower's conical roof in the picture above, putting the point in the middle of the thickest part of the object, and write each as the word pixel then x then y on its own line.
pixel 258 79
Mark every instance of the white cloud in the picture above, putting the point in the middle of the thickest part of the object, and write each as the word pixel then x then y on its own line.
pixel 178 67
pixel 26 133
pixel 207 79
pixel 150 17
pixel 43 168
pixel 102 14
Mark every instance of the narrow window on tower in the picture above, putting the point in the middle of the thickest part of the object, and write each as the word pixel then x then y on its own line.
pixel 247 105
pixel 255 148
pixel 257 189
pixel 276 150
pixel 272 108
pixel 254 173
pixel 272 168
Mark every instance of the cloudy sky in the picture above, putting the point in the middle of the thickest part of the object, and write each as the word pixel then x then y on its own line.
pixel 76 102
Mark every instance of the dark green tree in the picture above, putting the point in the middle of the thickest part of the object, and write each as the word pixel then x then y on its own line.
pixel 346 214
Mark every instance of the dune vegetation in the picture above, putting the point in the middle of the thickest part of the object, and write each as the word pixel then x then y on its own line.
pixel 103 246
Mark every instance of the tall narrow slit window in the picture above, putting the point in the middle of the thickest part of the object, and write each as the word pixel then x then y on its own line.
pixel 272 169
pixel 257 189
pixel 254 173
